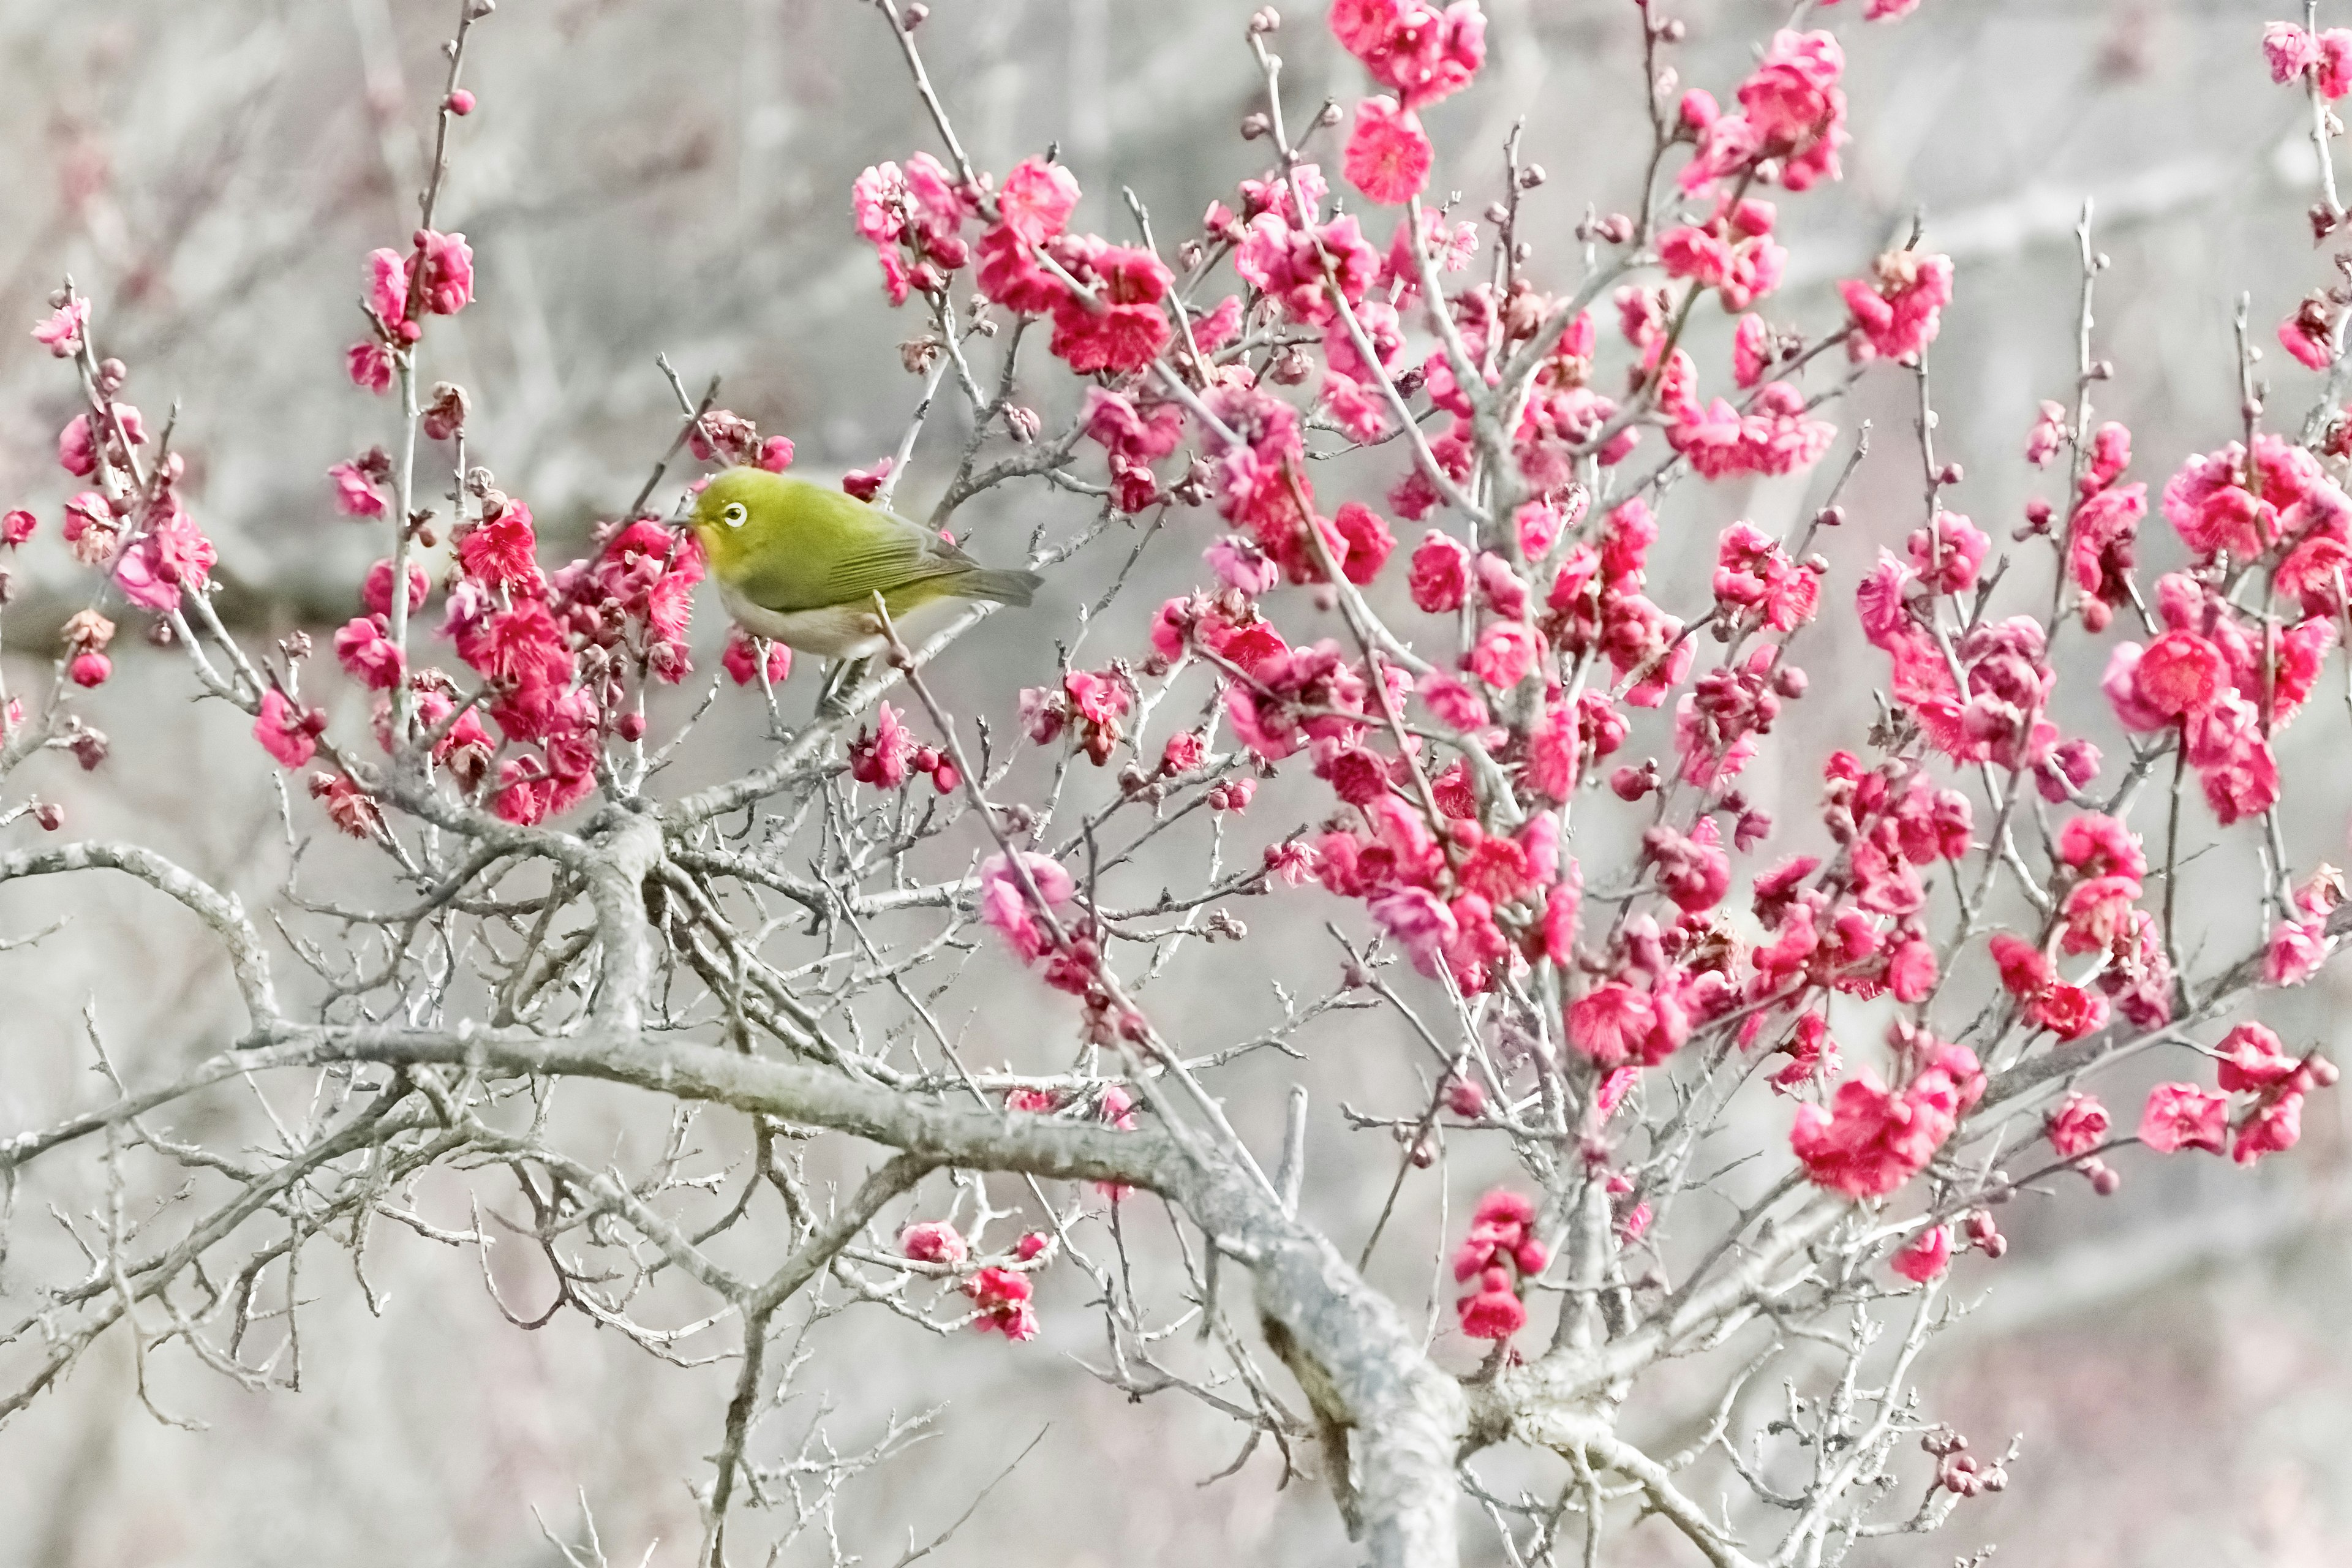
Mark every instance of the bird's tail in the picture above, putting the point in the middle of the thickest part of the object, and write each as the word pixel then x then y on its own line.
pixel 1015 588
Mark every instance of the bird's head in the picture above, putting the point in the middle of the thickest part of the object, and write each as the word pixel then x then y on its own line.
pixel 738 515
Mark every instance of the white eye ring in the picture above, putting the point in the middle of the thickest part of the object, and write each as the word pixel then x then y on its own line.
pixel 734 514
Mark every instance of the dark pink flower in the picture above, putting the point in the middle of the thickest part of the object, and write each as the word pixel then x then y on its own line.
pixel 388 286
pixel 745 654
pixel 1388 153
pixel 502 552
pixel 1899 313
pixel 369 366
pixel 1439 578
pixel 1506 653
pixel 2251 1059
pixel 881 759
pixel 1001 1297
pixel 354 495
pixel 2294 953
pixel 2180 673
pixel 1927 1255
pixel 375 593
pixel 1004 904
pixel 286 733
pixel 447 266
pixel 2078 1126
pixel 2272 1128
pixel 171 557
pixel 1494 1313
pixel 2183 1116
pixel 370 657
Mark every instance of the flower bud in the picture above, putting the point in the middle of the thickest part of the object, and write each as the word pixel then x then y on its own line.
pixel 459 104
pixel 49 815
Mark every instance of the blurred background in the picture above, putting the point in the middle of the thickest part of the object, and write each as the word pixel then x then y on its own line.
pixel 643 178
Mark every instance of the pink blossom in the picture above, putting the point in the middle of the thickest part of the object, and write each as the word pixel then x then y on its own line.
pixel 2272 1128
pixel 1899 314
pixel 61 334
pixel 77 453
pixel 2183 1116
pixel 933 1242
pixel 2251 1059
pixel 171 557
pixel 745 655
pixel 447 266
pixel 881 759
pixel 1440 579
pixel 1453 702
pixel 17 527
pixel 369 367
pixel 388 286
pixel 1927 1255
pixel 1240 564
pixel 1002 1297
pixel 2294 953
pixel 1494 1313
pixel 1419 922
pixel 2290 50
pixel 284 733
pixel 1506 653
pixel 2309 334
pixel 502 552
pixel 1367 542
pixel 1389 154
pixel 1004 904
pixel 867 483
pixel 1911 971
pixel 1614 1023
pixel 1949 553
pixel 1752 344
pixel 371 659
pixel 354 495
pixel 1872 1139
pixel 2078 1126
pixel 2180 673
pixel 1423 53
pixel 1122 327
pixel 2335 64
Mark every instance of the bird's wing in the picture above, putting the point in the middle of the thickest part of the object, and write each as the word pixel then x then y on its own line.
pixel 860 552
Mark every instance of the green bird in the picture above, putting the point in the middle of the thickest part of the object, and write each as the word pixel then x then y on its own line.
pixel 800 563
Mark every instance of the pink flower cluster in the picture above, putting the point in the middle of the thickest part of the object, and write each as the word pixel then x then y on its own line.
pixel 886 755
pixel 435 277
pixel 2229 686
pixel 1872 1139
pixel 1790 124
pixel 2324 58
pixel 1089 703
pixel 2254 1064
pixel 1423 54
pixel 1500 1252
pixel 913 217
pixel 1897 314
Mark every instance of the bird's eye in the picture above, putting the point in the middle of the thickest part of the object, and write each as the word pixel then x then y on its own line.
pixel 734 514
